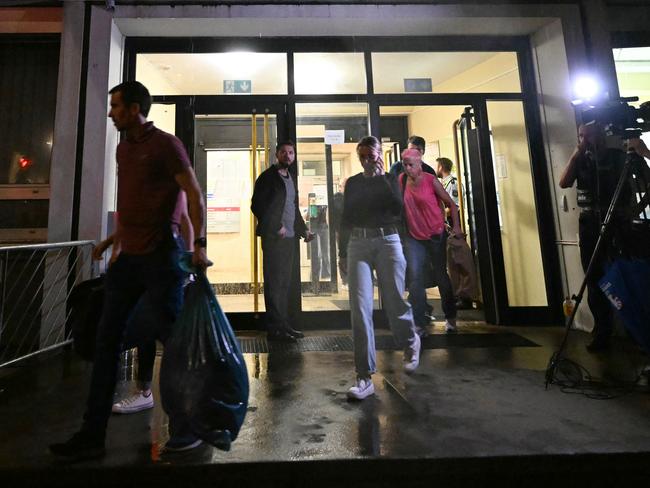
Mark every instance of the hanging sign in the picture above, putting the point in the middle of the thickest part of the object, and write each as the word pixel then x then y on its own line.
pixel 335 137
pixel 417 85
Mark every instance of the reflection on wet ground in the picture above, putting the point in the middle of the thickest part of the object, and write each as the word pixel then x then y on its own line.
pixel 463 402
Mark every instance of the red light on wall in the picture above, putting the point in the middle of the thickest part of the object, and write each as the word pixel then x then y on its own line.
pixel 24 162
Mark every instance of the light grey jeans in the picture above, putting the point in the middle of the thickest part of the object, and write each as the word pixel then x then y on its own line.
pixel 385 255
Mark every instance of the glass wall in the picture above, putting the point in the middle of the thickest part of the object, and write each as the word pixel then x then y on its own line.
pixel 232 73
pixel 445 72
pixel 633 72
pixel 329 73
pixel 326 137
pixel 28 77
pixel 520 237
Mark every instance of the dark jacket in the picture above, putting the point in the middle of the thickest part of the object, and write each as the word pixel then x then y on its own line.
pixel 267 204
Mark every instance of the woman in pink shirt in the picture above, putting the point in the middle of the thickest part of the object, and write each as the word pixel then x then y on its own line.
pixel 426 238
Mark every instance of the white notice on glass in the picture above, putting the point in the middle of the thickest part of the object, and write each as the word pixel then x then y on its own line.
pixel 501 166
pixel 335 137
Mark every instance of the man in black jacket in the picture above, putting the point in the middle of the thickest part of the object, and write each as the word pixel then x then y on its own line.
pixel 279 223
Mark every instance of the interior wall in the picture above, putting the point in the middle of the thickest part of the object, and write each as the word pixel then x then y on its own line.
pixel 434 124
pixel 98 180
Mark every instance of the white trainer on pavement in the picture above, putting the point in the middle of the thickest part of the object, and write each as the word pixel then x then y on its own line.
pixel 362 389
pixel 134 403
pixel 450 326
pixel 412 355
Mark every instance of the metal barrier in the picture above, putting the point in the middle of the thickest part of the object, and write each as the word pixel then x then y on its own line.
pixel 35 284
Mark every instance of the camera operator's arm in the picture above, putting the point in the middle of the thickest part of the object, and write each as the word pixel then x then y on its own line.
pixel 639 147
pixel 644 179
pixel 570 172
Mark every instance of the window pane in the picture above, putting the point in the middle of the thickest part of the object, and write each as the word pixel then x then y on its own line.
pixel 163 115
pixel 522 254
pixel 329 73
pixel 28 82
pixel 444 72
pixel 321 195
pixel 633 72
pixel 236 73
pixel 226 168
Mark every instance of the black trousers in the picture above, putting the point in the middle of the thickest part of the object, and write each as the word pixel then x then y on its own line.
pixel 589 229
pixel 278 264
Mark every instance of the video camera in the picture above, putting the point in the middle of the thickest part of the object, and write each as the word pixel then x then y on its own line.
pixel 617 117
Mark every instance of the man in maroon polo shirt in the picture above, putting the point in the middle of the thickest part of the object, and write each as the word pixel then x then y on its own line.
pixel 153 167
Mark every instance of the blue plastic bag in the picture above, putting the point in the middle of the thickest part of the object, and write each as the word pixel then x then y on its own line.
pixel 203 367
pixel 626 283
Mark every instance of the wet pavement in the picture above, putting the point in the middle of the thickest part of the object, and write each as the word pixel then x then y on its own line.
pixel 464 403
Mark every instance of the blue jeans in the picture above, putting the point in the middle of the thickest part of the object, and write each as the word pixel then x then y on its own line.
pixel 157 278
pixel 418 255
pixel 385 255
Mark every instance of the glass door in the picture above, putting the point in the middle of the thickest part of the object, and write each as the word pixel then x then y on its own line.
pixel 492 163
pixel 438 126
pixel 230 151
pixel 503 215
pixel 326 136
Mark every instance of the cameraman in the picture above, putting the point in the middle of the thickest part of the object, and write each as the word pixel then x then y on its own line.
pixel 596 168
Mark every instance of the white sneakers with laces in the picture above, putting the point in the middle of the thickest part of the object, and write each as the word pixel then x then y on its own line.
pixel 134 403
pixel 363 388
pixel 412 355
pixel 450 326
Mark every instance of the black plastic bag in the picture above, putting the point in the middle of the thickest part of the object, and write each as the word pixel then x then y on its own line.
pixel 85 304
pixel 203 369
pixel 85 310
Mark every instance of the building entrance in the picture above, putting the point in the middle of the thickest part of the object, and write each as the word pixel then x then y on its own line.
pixel 470 107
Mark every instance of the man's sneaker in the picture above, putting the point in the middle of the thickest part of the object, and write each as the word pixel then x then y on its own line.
pixel 412 355
pixel 362 389
pixel 134 403
pixel 174 445
pixel 450 326
pixel 81 447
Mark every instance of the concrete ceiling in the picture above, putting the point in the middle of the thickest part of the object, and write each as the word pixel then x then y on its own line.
pixel 315 27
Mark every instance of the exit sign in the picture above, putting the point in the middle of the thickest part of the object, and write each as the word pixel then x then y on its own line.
pixel 237 86
pixel 417 85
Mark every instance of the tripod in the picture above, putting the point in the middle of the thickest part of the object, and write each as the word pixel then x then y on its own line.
pixel 632 160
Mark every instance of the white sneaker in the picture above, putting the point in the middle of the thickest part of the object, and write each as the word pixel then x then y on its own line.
pixel 181 446
pixel 412 355
pixel 450 326
pixel 362 389
pixel 134 403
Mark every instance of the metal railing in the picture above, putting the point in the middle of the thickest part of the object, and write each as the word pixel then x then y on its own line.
pixel 35 284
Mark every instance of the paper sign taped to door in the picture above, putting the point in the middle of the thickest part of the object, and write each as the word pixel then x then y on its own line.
pixel 335 136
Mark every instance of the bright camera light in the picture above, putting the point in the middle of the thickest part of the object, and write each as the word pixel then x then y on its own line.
pixel 586 88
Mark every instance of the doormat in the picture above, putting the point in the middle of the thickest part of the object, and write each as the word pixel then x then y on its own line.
pixel 463 315
pixel 384 343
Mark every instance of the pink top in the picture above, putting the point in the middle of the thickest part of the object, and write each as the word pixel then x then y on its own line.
pixel 422 208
